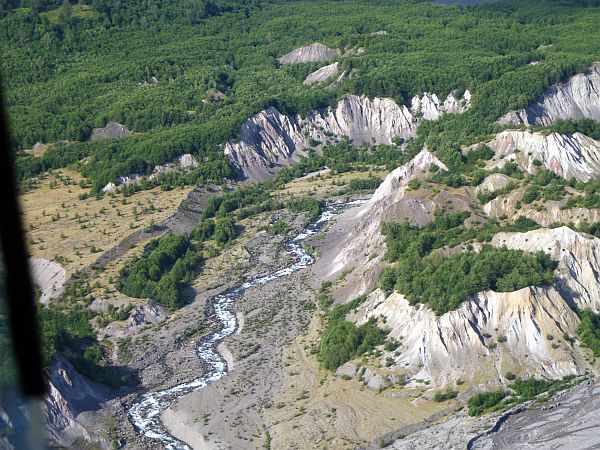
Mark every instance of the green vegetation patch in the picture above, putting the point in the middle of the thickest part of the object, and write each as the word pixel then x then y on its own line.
pixel 361 185
pixel 520 391
pixel 588 331
pixel 65 328
pixel 545 185
pixel 446 394
pixel 66 10
pixel 443 283
pixel 487 196
pixel 342 341
pixel 589 195
pixel 485 402
pixel 167 266
pixel 588 127
pixel 344 157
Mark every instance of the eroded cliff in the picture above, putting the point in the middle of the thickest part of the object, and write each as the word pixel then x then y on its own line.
pixel 578 98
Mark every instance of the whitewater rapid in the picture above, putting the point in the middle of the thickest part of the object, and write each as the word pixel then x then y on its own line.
pixel 145 413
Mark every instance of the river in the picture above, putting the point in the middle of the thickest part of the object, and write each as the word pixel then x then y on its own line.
pixel 145 412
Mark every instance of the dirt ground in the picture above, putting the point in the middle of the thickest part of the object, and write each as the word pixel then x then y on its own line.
pixel 277 394
pixel 74 231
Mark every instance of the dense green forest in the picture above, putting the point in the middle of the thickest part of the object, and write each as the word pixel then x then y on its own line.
pixel 68 69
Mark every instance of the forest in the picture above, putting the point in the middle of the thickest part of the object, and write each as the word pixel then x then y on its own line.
pixel 67 69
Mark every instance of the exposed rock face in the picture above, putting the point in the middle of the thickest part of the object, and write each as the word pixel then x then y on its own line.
pixel 111 130
pixel 362 120
pixel 569 156
pixel 267 140
pixel 311 53
pixel 49 276
pixel 431 108
pixel 185 162
pixel 493 182
pixel 384 204
pixel 390 192
pixel 150 313
pixel 270 140
pixel 70 400
pixel 578 98
pixel 38 149
pixel 442 349
pixel 322 74
pixel 363 246
pixel 454 105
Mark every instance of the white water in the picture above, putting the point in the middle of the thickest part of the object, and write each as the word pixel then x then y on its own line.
pixel 145 413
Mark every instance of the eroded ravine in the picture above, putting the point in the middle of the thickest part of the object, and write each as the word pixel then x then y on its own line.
pixel 145 413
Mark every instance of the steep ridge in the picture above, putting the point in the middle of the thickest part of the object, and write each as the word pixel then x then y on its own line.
pixel 72 404
pixel 384 205
pixel 267 140
pixel 270 140
pixel 111 130
pixel 362 120
pixel 578 98
pixel 494 333
pixel 362 245
pixel 569 156
pixel 431 108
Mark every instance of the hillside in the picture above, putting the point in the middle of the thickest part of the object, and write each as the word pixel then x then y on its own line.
pixel 304 224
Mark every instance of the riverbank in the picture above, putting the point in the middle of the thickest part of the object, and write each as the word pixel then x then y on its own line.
pixel 145 412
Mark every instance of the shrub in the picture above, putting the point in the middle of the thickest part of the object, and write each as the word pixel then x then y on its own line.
pixel 588 331
pixel 342 341
pixel 279 227
pixel 484 402
pixel 447 394
pixel 163 271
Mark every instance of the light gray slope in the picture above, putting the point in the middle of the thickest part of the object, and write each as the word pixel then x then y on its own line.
pixel 578 98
